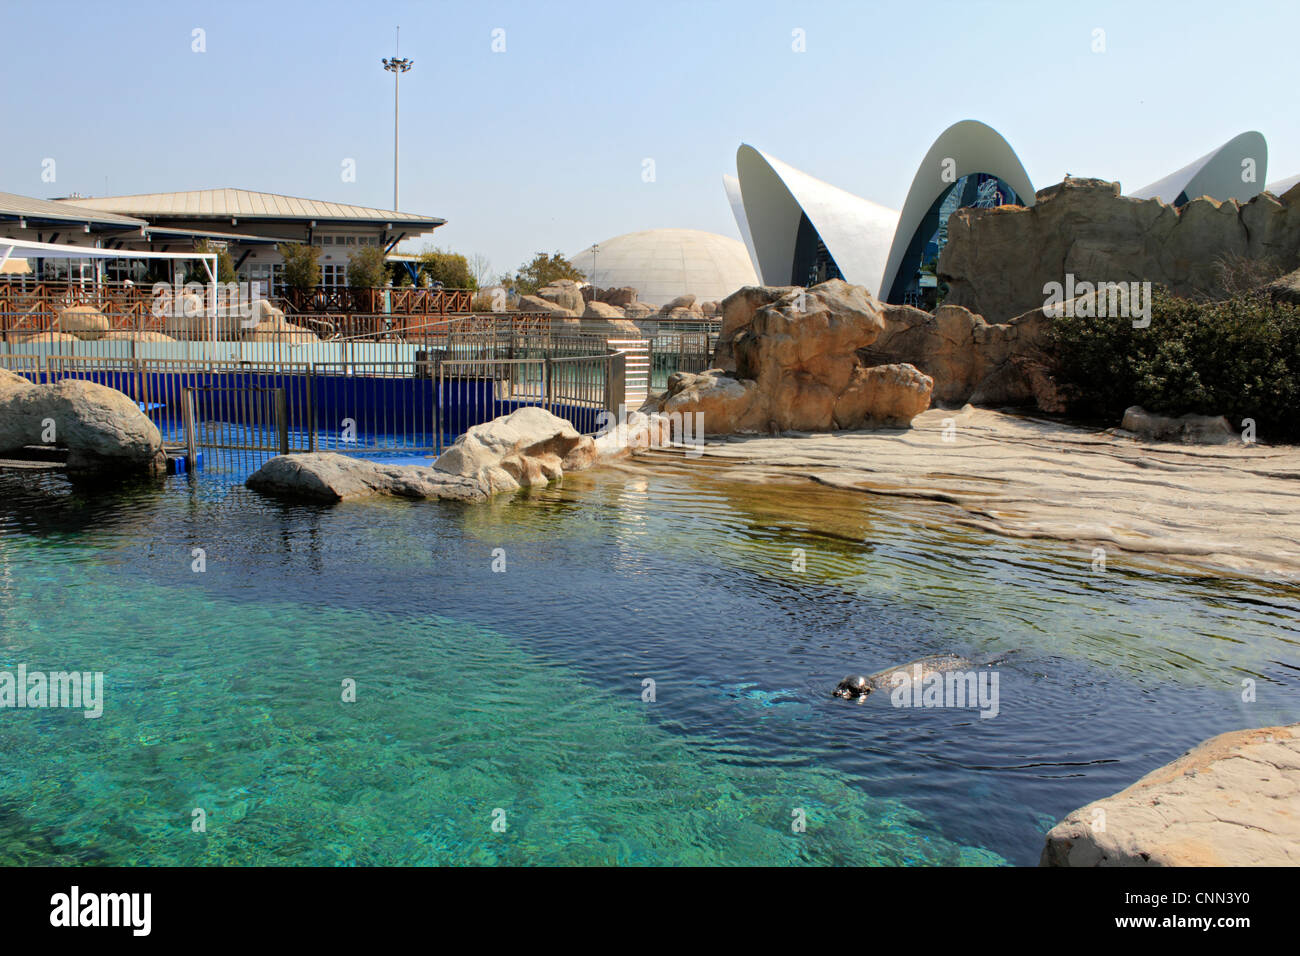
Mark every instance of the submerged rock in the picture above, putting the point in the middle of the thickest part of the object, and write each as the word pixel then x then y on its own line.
pixel 526 448
pixel 1230 801
pixel 329 477
pixel 102 429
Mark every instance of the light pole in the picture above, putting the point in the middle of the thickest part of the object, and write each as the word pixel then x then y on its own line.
pixel 397 66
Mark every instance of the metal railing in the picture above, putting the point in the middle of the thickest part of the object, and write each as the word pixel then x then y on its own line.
pixel 373 408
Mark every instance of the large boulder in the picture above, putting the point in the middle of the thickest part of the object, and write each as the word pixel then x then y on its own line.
pixel 997 261
pixel 725 404
pixel 608 320
pixel 83 321
pixel 622 296
pixel 565 293
pixel 1231 801
pixel 41 338
pixel 329 477
pixel 600 310
pixel 883 396
pixel 102 429
pixel 638 310
pixel 522 449
pixel 1285 289
pixel 798 360
pixel 970 359
pixel 533 303
pixel 266 323
pixel 686 302
pixel 525 448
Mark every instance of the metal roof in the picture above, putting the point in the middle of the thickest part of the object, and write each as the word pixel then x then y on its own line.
pixel 165 231
pixel 13 206
pixel 237 203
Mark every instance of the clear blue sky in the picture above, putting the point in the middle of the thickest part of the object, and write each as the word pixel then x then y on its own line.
pixel 541 147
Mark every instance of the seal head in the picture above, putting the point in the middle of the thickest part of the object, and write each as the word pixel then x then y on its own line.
pixel 856 687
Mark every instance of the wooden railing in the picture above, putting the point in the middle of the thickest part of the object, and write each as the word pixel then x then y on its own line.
pixel 35 304
pixel 396 301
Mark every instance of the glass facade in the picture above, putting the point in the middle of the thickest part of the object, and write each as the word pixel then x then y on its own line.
pixel 917 282
pixel 813 262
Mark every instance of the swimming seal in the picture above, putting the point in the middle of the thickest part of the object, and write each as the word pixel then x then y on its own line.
pixel 858 687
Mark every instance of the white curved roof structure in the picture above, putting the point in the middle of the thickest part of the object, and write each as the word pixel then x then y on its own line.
pixel 776 196
pixel 731 185
pixel 963 149
pixel 662 264
pixel 1217 174
pixel 793 222
pixel 1283 186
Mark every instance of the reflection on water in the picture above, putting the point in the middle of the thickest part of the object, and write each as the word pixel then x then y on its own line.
pixel 523 691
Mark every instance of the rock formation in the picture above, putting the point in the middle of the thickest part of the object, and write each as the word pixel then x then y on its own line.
pixel 131 335
pixel 996 261
pixel 969 359
pixel 83 321
pixel 526 448
pixel 266 323
pixel 533 303
pixel 565 293
pixel 101 428
pixel 1186 429
pixel 794 359
pixel 1231 801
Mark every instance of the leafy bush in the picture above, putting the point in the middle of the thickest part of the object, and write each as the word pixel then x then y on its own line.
pixel 542 271
pixel 366 268
pixel 450 268
pixel 301 265
pixel 1239 357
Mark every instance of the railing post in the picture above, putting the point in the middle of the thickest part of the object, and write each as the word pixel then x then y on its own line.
pixel 282 417
pixel 191 440
pixel 548 385
pixel 311 408
pixel 615 381
pixel 437 408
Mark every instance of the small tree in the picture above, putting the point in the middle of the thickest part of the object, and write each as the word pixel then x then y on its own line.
pixel 225 265
pixel 481 270
pixel 543 270
pixel 450 268
pixel 366 268
pixel 301 266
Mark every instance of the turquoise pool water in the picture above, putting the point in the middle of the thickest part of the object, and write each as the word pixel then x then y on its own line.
pixel 485 696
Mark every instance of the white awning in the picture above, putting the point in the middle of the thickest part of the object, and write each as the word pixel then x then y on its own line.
pixel 27 249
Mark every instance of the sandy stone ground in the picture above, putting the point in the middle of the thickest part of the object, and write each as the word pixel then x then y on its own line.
pixel 1232 507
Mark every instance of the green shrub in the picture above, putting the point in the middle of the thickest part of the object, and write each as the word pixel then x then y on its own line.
pixel 541 271
pixel 1239 357
pixel 366 268
pixel 449 268
pixel 301 265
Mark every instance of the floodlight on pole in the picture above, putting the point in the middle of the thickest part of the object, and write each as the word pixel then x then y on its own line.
pixel 397 66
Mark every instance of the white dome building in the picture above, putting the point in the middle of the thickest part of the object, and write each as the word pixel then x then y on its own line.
pixel 662 264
